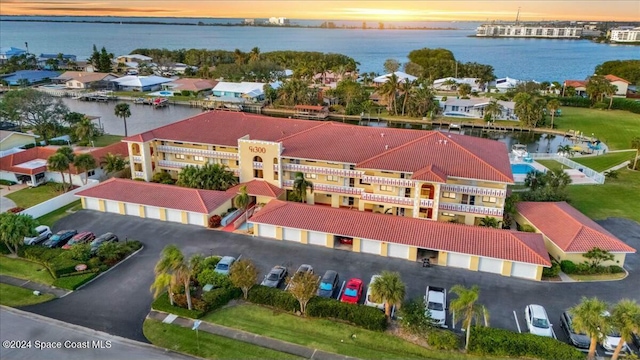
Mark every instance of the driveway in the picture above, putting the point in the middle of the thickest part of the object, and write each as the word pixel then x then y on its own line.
pixel 6 204
pixel 118 302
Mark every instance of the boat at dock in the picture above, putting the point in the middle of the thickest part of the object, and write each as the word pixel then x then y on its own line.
pixel 519 150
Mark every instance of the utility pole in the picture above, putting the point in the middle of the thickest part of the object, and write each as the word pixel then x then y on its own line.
pixel 518 15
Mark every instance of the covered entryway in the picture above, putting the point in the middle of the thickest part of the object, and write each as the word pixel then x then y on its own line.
pixel 317 238
pixel 112 206
pixel 152 212
pixel 291 234
pixel 370 246
pixel 92 204
pixel 195 219
pixel 521 270
pixel 268 231
pixel 132 209
pixel 174 215
pixel 458 260
pixel 490 265
pixel 398 251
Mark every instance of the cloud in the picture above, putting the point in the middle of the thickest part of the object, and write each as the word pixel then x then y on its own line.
pixel 96 9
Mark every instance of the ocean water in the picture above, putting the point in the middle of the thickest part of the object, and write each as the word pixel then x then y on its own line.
pixel 538 59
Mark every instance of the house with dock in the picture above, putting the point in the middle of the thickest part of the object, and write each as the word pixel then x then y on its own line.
pixel 7 52
pixel 86 80
pixel 474 108
pixel 195 86
pixel 246 91
pixel 29 77
pixel 140 83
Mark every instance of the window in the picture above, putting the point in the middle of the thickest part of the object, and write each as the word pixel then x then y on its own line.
pixel 364 183
pixel 447 214
pixel 332 178
pixel 180 156
pixel 237 162
pixel 449 195
pixel 311 161
pixel 224 161
pixel 468 199
pixel 177 143
pixel 311 176
pixel 386 188
pixel 489 199
pixel 198 158
pixel 91 173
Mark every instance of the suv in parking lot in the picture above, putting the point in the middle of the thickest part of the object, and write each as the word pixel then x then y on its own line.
pixel 581 341
pixel 329 283
pixel 81 238
pixel 275 277
pixel 224 265
pixel 368 300
pixel 60 238
pixel 101 240
pixel 43 233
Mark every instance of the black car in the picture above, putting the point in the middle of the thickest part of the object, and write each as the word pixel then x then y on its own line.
pixel 581 341
pixel 329 283
pixel 635 337
pixel 102 239
pixel 60 238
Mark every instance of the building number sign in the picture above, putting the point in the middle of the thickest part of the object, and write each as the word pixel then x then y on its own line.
pixel 257 149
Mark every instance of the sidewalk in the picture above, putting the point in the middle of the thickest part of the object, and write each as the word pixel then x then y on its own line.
pixel 27 284
pixel 266 342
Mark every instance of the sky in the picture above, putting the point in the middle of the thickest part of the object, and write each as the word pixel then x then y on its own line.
pixel 366 10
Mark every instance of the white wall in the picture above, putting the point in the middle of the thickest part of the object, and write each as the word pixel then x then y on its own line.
pixel 77 180
pixel 5 175
pixel 57 202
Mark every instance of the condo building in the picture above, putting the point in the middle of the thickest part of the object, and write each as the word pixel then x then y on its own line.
pixel 528 31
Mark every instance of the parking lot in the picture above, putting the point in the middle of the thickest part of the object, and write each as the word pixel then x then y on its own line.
pixel 118 302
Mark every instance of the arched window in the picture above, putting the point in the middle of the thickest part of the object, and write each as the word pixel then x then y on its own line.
pixel 427 191
pixel 135 148
pixel 257 159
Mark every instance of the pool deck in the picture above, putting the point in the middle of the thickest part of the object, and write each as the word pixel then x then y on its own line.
pixel 577 177
pixel 519 178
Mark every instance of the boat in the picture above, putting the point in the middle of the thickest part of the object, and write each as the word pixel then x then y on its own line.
pixel 160 102
pixel 519 150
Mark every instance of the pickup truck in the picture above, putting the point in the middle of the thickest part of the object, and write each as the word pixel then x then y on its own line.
pixel 436 303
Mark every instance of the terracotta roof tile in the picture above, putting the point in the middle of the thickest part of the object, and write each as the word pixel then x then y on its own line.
pixel 258 188
pixel 611 77
pixel 430 173
pixel 575 83
pixel 435 235
pixel 569 229
pixel 161 195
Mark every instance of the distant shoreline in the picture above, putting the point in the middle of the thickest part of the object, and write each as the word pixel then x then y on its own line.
pixel 200 23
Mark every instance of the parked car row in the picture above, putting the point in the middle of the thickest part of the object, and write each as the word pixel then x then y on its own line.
pixel 68 238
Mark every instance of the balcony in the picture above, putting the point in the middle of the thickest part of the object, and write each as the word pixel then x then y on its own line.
pixel 388 199
pixel 322 170
pixel 473 190
pixel 329 188
pixel 426 203
pixel 199 152
pixel 173 164
pixel 137 158
pixel 471 209
pixel 387 181
pixel 257 165
pixel 138 174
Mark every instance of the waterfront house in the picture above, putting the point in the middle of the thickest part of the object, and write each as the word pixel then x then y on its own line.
pixel 8 52
pixel 133 58
pixel 28 77
pixel 474 108
pixel 54 61
pixel 251 91
pixel 331 79
pixel 621 84
pixel 625 34
pixel 451 83
pixel 505 84
pixel 140 83
pixel 195 86
pixel 580 87
pixel 402 77
pixel 86 80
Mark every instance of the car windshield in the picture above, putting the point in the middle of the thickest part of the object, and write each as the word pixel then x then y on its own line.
pixel 351 292
pixel 222 266
pixel 435 306
pixel 540 323
pixel 325 286
pixel 55 237
pixel 273 277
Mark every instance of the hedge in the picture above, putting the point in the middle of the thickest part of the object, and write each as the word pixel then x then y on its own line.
pixel 74 282
pixel 498 342
pixel 218 298
pixel 569 267
pixel 162 304
pixel 273 297
pixel 553 271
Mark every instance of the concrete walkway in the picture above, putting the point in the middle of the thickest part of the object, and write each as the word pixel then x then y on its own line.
pixel 266 342
pixel 6 203
pixel 565 277
pixel 5 279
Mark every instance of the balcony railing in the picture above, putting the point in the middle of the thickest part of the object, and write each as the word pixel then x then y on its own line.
pixel 137 158
pixel 329 188
pixel 426 203
pixel 387 181
pixel 473 190
pixel 257 165
pixel 396 200
pixel 322 170
pixel 173 164
pixel 200 152
pixel 138 174
pixel 482 210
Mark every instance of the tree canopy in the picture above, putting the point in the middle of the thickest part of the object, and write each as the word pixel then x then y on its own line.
pixel 208 177
pixel 626 69
pixel 45 113
pixel 13 229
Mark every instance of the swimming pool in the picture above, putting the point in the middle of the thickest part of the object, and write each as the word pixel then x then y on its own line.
pixel 522 169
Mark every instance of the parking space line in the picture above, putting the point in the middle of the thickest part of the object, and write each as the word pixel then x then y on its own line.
pixel 453 320
pixel 341 288
pixel 517 323
pixel 554 334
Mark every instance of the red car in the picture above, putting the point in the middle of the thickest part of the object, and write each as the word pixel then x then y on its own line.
pixel 352 292
pixel 81 238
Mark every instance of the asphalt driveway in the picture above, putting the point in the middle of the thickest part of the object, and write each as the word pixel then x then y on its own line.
pixel 118 302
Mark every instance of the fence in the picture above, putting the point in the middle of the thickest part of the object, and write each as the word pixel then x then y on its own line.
pixel 57 202
pixel 592 174
pixel 244 217
pixel 230 217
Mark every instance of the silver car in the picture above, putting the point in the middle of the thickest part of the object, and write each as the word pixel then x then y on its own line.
pixel 44 232
pixel 275 277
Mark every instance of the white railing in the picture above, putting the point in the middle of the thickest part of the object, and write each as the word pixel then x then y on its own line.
pixel 426 203
pixel 322 170
pixel 202 152
pixel 137 158
pixel 138 174
pixel 396 200
pixel 337 189
pixel 482 210
pixel 257 165
pixel 387 181
pixel 592 174
pixel 473 190
pixel 173 164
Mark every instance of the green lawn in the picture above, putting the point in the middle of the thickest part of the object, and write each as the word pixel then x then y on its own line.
pixel 184 340
pixel 23 269
pixel 615 198
pixel 615 128
pixel 324 334
pixel 28 197
pixel 51 218
pixel 106 139
pixel 606 161
pixel 15 296
pixel 550 164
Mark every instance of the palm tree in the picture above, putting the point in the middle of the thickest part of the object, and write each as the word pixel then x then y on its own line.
pixel 464 90
pixel 59 162
pixel 557 179
pixel 625 317
pixel 589 317
pixel 553 105
pixel 122 110
pixel 68 153
pixel 467 309
pixel 493 109
pixel 390 289
pixel 566 149
pixel 610 90
pixel 635 144
pixel 489 221
pixel 163 281
pixel 529 109
pixel 84 163
pixel 300 186
pixel 112 163
pixel 535 180
pixel 242 200
pixel 84 129
pixel 406 87
pixel 254 55
pixel 173 263
pixel 390 89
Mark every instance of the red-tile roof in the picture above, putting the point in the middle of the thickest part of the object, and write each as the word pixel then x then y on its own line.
pixel 430 173
pixel 575 83
pixel 569 229
pixel 427 234
pixel 258 188
pixel 161 195
pixel 611 77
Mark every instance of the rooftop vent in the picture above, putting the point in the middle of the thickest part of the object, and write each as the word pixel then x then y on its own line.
pixel 381 134
pixel 386 147
pixel 445 142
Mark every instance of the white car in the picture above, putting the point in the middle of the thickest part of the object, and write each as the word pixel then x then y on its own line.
pixel 368 300
pixel 610 342
pixel 44 232
pixel 537 320
pixel 436 302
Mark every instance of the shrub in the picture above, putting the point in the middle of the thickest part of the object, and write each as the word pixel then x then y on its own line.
pixel 443 340
pixel 215 221
pixel 499 342
pixel 615 269
pixel 15 210
pixel 553 271
pixel 94 263
pixel 74 282
pixel 414 317
pixel 273 297
pixel 8 182
pixel 568 266
pixel 209 276
pixel 601 105
pixel 163 178
pixel 162 304
pixel 80 252
pixel 29 146
pixel 360 315
pixel 217 298
pixel 211 262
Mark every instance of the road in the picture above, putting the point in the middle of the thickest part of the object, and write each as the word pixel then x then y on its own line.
pixel 41 333
pixel 118 302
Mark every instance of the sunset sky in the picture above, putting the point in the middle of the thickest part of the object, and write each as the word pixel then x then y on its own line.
pixel 620 10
